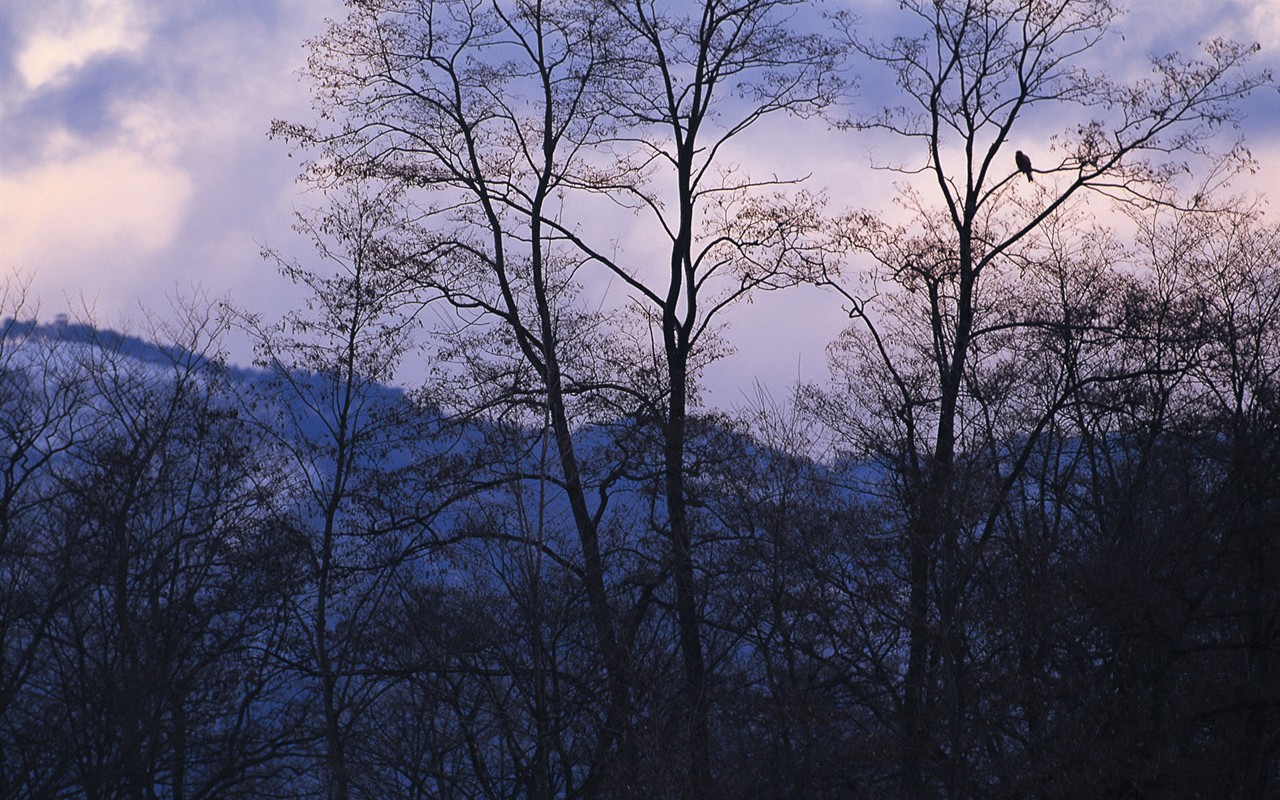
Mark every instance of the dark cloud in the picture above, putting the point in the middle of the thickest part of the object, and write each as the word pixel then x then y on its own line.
pixel 84 104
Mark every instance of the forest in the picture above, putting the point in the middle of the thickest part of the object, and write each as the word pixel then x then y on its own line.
pixel 1024 541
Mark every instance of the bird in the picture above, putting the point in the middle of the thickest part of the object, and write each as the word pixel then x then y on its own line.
pixel 1024 164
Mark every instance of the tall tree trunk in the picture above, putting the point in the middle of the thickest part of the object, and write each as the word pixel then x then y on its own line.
pixel 687 619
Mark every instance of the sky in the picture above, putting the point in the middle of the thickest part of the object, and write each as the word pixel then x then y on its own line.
pixel 135 165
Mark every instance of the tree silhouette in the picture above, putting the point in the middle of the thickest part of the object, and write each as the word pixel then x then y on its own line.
pixel 968 74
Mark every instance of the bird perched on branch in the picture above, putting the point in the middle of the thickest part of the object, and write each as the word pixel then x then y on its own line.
pixel 1024 164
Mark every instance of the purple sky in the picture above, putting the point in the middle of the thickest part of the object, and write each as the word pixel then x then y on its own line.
pixel 136 167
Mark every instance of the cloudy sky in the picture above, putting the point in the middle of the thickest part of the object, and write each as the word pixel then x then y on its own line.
pixel 135 165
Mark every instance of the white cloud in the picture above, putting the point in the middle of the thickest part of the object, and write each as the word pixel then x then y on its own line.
pixel 1263 24
pixel 106 200
pixel 177 183
pixel 89 201
pixel 68 35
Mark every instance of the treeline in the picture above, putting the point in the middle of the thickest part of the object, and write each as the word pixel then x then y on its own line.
pixel 1022 544
pixel 220 583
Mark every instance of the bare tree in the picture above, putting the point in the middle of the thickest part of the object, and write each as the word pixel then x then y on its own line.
pixel 359 454
pixel 144 572
pixel 1228 263
pixel 519 116
pixel 726 238
pixel 970 76
pixel 41 394
pixel 484 103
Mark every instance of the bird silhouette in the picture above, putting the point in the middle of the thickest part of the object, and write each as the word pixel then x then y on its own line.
pixel 1024 164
